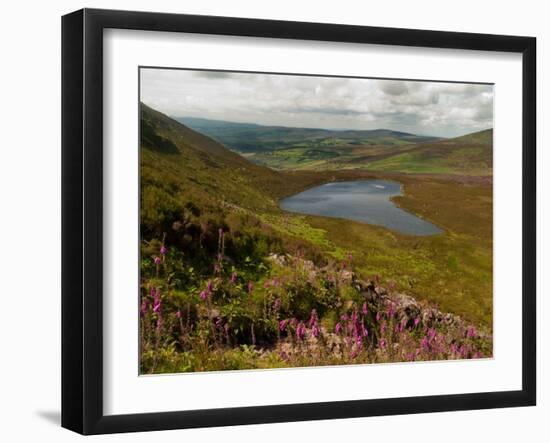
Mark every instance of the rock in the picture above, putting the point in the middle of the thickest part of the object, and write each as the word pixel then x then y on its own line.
pixel 279 259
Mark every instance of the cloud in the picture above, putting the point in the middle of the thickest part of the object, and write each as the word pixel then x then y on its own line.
pixel 213 74
pixel 393 87
pixel 432 108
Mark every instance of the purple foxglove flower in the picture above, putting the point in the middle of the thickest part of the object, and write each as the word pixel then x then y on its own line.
pixel 234 277
pixel 350 257
pixel 365 331
pixel 266 284
pixel 315 331
pixel 277 304
pixel 282 325
pixel 300 331
pixel 313 318
pixel 203 295
pixel 178 314
pixel 156 307
pixel 424 343
pixel 338 328
pixel 365 309
pixel 383 344
pixel 157 260
pixel 275 282
pixel 144 307
pixel 250 287
pixel 209 286
pixel 378 316
pixel 416 321
pixel 163 250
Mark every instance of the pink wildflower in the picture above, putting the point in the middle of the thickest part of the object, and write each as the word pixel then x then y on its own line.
pixel 157 260
pixel 315 331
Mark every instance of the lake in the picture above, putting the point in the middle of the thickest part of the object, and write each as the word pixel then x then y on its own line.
pixel 366 201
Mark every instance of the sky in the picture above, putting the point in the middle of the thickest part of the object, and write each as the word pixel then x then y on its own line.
pixel 424 108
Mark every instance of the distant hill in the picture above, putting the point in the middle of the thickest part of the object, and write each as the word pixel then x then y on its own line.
pixel 470 154
pixel 252 138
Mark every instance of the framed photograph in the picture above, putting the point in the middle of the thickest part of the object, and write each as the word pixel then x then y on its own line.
pixel 269 221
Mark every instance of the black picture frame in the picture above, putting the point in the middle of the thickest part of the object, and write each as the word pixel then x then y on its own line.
pixel 82 218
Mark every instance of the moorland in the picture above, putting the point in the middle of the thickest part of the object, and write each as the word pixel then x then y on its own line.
pixel 231 281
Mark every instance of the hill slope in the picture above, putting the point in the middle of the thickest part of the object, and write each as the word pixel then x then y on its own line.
pixel 182 169
pixel 471 154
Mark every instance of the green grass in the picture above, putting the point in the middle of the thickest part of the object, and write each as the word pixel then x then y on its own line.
pixel 468 155
pixel 191 187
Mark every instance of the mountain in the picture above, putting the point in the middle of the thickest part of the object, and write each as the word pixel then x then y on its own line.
pixel 253 138
pixel 284 148
pixel 470 154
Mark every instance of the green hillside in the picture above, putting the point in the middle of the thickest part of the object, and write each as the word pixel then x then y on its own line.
pixel 210 222
pixel 470 154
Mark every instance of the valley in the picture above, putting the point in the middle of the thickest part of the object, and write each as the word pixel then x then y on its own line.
pixel 211 220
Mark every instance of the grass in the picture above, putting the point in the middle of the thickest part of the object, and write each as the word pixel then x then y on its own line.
pixel 200 200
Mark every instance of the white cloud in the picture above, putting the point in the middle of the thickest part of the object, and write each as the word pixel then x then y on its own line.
pixel 432 108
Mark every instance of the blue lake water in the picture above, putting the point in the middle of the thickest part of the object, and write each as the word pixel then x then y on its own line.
pixel 366 201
